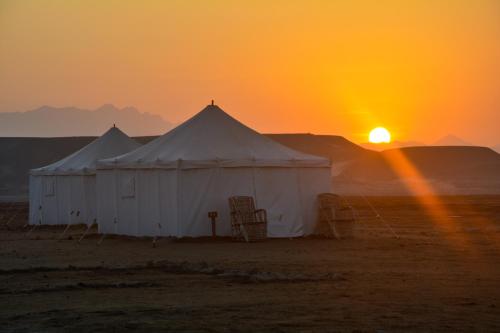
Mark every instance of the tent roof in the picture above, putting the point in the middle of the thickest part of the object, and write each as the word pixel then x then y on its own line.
pixel 83 162
pixel 212 138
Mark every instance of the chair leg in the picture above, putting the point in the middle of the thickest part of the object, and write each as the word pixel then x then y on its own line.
pixel 85 232
pixel 334 230
pixel 64 232
pixel 244 232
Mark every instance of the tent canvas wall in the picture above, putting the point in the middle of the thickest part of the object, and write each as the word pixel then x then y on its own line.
pixel 65 192
pixel 168 186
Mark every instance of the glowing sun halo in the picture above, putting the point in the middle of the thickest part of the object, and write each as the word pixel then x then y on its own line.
pixel 379 135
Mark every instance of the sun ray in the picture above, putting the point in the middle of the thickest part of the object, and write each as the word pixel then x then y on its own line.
pixel 428 199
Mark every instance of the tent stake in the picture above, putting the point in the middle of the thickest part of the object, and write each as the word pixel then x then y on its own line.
pixel 379 217
pixel 87 230
pixel 100 240
pixel 67 227
pixel 6 211
pixel 11 219
pixel 156 237
pixel 64 232
pixel 31 230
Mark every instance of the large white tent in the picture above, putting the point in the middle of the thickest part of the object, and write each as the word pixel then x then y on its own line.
pixel 65 192
pixel 167 187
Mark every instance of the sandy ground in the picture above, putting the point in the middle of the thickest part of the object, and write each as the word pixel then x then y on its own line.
pixel 441 274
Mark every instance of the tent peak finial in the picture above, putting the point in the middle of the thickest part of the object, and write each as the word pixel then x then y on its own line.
pixel 212 102
pixel 114 125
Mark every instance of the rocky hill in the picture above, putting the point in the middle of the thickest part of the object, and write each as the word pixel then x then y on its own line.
pixel 355 170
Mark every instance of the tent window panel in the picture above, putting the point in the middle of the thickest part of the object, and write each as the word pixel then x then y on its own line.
pixel 49 187
pixel 127 186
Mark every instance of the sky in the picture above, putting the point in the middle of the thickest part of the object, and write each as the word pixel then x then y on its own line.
pixel 422 69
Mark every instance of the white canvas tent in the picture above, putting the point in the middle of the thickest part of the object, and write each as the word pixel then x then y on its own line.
pixel 65 192
pixel 167 187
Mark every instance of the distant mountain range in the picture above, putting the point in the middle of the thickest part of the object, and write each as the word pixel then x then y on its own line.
pixel 452 140
pixel 48 121
pixel 355 170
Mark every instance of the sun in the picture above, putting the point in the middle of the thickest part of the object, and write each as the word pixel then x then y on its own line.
pixel 379 135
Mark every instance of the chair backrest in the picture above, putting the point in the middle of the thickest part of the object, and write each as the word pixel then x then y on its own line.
pixel 329 200
pixel 243 207
pixel 329 205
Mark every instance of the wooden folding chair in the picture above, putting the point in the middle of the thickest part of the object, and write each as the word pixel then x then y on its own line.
pixel 336 215
pixel 247 222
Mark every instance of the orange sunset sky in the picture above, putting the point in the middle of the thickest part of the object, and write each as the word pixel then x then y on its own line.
pixel 423 69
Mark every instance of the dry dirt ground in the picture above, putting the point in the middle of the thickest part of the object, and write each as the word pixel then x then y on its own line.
pixel 441 274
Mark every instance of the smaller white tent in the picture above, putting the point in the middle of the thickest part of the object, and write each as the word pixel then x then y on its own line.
pixel 65 192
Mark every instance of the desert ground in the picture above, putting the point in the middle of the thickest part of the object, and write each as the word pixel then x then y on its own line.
pixel 426 264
